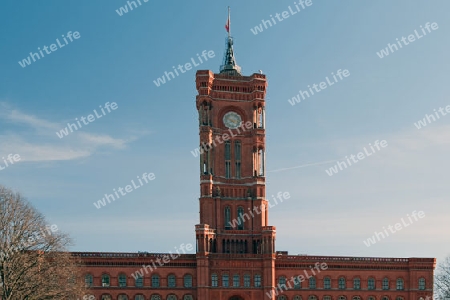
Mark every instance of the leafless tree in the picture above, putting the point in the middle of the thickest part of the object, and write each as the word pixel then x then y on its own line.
pixel 442 279
pixel 34 261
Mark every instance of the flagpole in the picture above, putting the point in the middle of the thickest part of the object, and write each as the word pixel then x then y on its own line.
pixel 229 23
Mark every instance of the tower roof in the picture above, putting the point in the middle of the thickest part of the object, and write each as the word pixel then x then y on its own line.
pixel 229 65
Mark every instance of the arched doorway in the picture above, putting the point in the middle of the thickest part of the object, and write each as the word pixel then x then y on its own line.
pixel 236 298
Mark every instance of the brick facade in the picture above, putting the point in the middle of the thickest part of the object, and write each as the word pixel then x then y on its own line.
pixel 238 260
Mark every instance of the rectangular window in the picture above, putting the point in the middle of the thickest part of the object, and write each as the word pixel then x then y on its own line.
pixel 225 280
pixel 327 283
pixel 227 159
pixel 214 280
pixel 155 281
pixel 357 284
pixel 237 157
pixel 297 283
pixel 257 280
pixel 236 280
pixel 371 284
pixel 172 282
pixel 246 280
pixel 122 281
pixel 139 281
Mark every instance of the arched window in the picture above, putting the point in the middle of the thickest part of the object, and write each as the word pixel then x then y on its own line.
pixel 312 283
pixel 171 281
pixel 139 281
pixel 312 297
pixel 246 280
pixel 385 284
pixel 225 280
pixel 155 297
pixel 298 297
pixel 297 283
pixel 227 159
pixel 399 298
pixel 257 280
pixel 155 281
pixel 122 297
pixel 105 280
pixel 356 298
pixel 326 297
pixel 187 280
pixel 139 297
pixel 106 297
pixel 236 280
pixel 342 284
pixel 214 280
pixel 122 280
pixel 240 213
pixel 171 297
pixel 342 298
pixel 237 158
pixel 282 297
pixel 188 297
pixel 421 284
pixel 385 298
pixel 371 298
pixel 356 284
pixel 400 285
pixel 327 283
pixel 89 280
pixel 227 217
pixel 371 284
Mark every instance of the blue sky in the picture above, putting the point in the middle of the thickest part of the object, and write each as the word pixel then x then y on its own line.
pixel 154 128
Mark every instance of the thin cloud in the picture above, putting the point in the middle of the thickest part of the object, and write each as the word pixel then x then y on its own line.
pixel 306 165
pixel 49 147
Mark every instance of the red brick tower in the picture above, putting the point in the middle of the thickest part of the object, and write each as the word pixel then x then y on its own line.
pixel 233 207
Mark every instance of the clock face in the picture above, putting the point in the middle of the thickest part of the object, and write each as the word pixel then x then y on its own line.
pixel 232 120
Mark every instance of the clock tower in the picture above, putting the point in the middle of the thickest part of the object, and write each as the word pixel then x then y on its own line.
pixel 233 203
pixel 233 206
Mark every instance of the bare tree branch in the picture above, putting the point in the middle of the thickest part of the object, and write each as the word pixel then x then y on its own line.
pixel 442 279
pixel 34 261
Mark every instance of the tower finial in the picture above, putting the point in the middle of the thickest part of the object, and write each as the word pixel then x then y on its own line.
pixel 229 65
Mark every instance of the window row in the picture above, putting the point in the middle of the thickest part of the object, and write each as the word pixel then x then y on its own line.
pixel 313 297
pixel 142 297
pixel 138 280
pixel 235 280
pixel 296 283
pixel 237 159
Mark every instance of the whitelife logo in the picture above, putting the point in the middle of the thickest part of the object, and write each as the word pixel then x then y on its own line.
pixel 281 17
pixel 241 219
pixel 165 259
pixel 27 61
pixel 411 38
pixel 398 226
pixel 296 280
pixel 222 139
pixel 187 67
pixel 323 85
pixel 86 120
pixel 431 118
pixel 124 9
pixel 128 189
pixel 360 156
pixel 11 158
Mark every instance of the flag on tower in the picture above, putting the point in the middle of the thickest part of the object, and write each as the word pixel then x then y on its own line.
pixel 227 25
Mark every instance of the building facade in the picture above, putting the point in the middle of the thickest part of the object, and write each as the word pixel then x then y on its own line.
pixel 235 255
